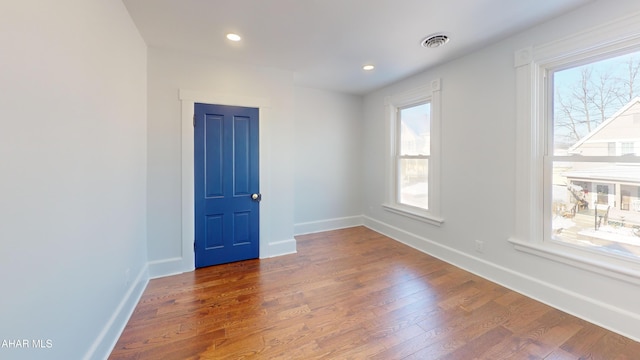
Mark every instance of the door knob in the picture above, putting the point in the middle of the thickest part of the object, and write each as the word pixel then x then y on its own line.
pixel 256 197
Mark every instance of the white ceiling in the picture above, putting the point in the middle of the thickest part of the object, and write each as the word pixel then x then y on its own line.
pixel 326 42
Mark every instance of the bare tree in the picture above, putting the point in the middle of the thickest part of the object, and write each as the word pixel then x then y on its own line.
pixel 583 94
pixel 566 119
pixel 630 80
pixel 574 111
pixel 605 95
pixel 595 94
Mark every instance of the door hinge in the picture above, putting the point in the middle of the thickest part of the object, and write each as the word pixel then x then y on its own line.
pixel 194 246
pixel 194 120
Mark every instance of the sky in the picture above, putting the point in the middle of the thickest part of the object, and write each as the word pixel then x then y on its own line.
pixel 567 81
pixel 418 118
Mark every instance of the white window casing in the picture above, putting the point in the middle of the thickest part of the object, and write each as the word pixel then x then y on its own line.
pixel 429 93
pixel 532 171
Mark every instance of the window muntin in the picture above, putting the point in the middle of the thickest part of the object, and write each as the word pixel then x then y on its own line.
pixel 412 159
pixel 593 180
pixel 628 148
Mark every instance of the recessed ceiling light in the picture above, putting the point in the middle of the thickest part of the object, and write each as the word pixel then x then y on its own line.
pixel 368 67
pixel 435 40
pixel 233 37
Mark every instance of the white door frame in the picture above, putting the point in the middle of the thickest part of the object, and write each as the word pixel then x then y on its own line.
pixel 188 100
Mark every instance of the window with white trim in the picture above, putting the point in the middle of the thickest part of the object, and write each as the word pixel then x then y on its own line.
pixel 413 174
pixel 412 155
pixel 577 173
pixel 590 186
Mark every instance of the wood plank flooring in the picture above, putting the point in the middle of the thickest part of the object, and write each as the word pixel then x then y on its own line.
pixel 352 294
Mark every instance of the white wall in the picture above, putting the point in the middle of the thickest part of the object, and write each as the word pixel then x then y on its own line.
pixel 170 72
pixel 86 178
pixel 478 178
pixel 73 184
pixel 328 153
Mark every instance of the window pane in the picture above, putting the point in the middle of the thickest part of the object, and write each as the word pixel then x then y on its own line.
pixel 597 205
pixel 415 130
pixel 413 180
pixel 628 148
pixel 595 108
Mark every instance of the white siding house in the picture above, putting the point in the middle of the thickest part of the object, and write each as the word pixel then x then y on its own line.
pixel 616 185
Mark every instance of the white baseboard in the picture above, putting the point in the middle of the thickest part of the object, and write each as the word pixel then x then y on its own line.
pixel 326 225
pixel 610 317
pixel 278 248
pixel 108 337
pixel 167 267
pixel 174 266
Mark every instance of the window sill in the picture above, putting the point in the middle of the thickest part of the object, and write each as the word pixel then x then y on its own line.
pixel 601 264
pixel 415 214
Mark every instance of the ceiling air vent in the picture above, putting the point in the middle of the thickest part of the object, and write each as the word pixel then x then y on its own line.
pixel 434 41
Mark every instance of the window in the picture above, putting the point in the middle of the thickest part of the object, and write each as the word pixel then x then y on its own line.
pixel 592 107
pixel 577 104
pixel 627 148
pixel 412 155
pixel 413 174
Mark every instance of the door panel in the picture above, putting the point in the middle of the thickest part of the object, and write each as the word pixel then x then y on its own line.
pixel 242 145
pixel 226 175
pixel 214 137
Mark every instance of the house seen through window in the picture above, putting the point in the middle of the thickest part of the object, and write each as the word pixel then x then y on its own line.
pixel 413 153
pixel 593 153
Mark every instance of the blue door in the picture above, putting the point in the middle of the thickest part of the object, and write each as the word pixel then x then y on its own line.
pixel 227 191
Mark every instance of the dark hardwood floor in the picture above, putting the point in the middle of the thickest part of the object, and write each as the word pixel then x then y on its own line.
pixel 352 294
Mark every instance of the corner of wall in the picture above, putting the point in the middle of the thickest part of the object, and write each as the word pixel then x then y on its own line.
pixel 168 267
pixel 111 331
